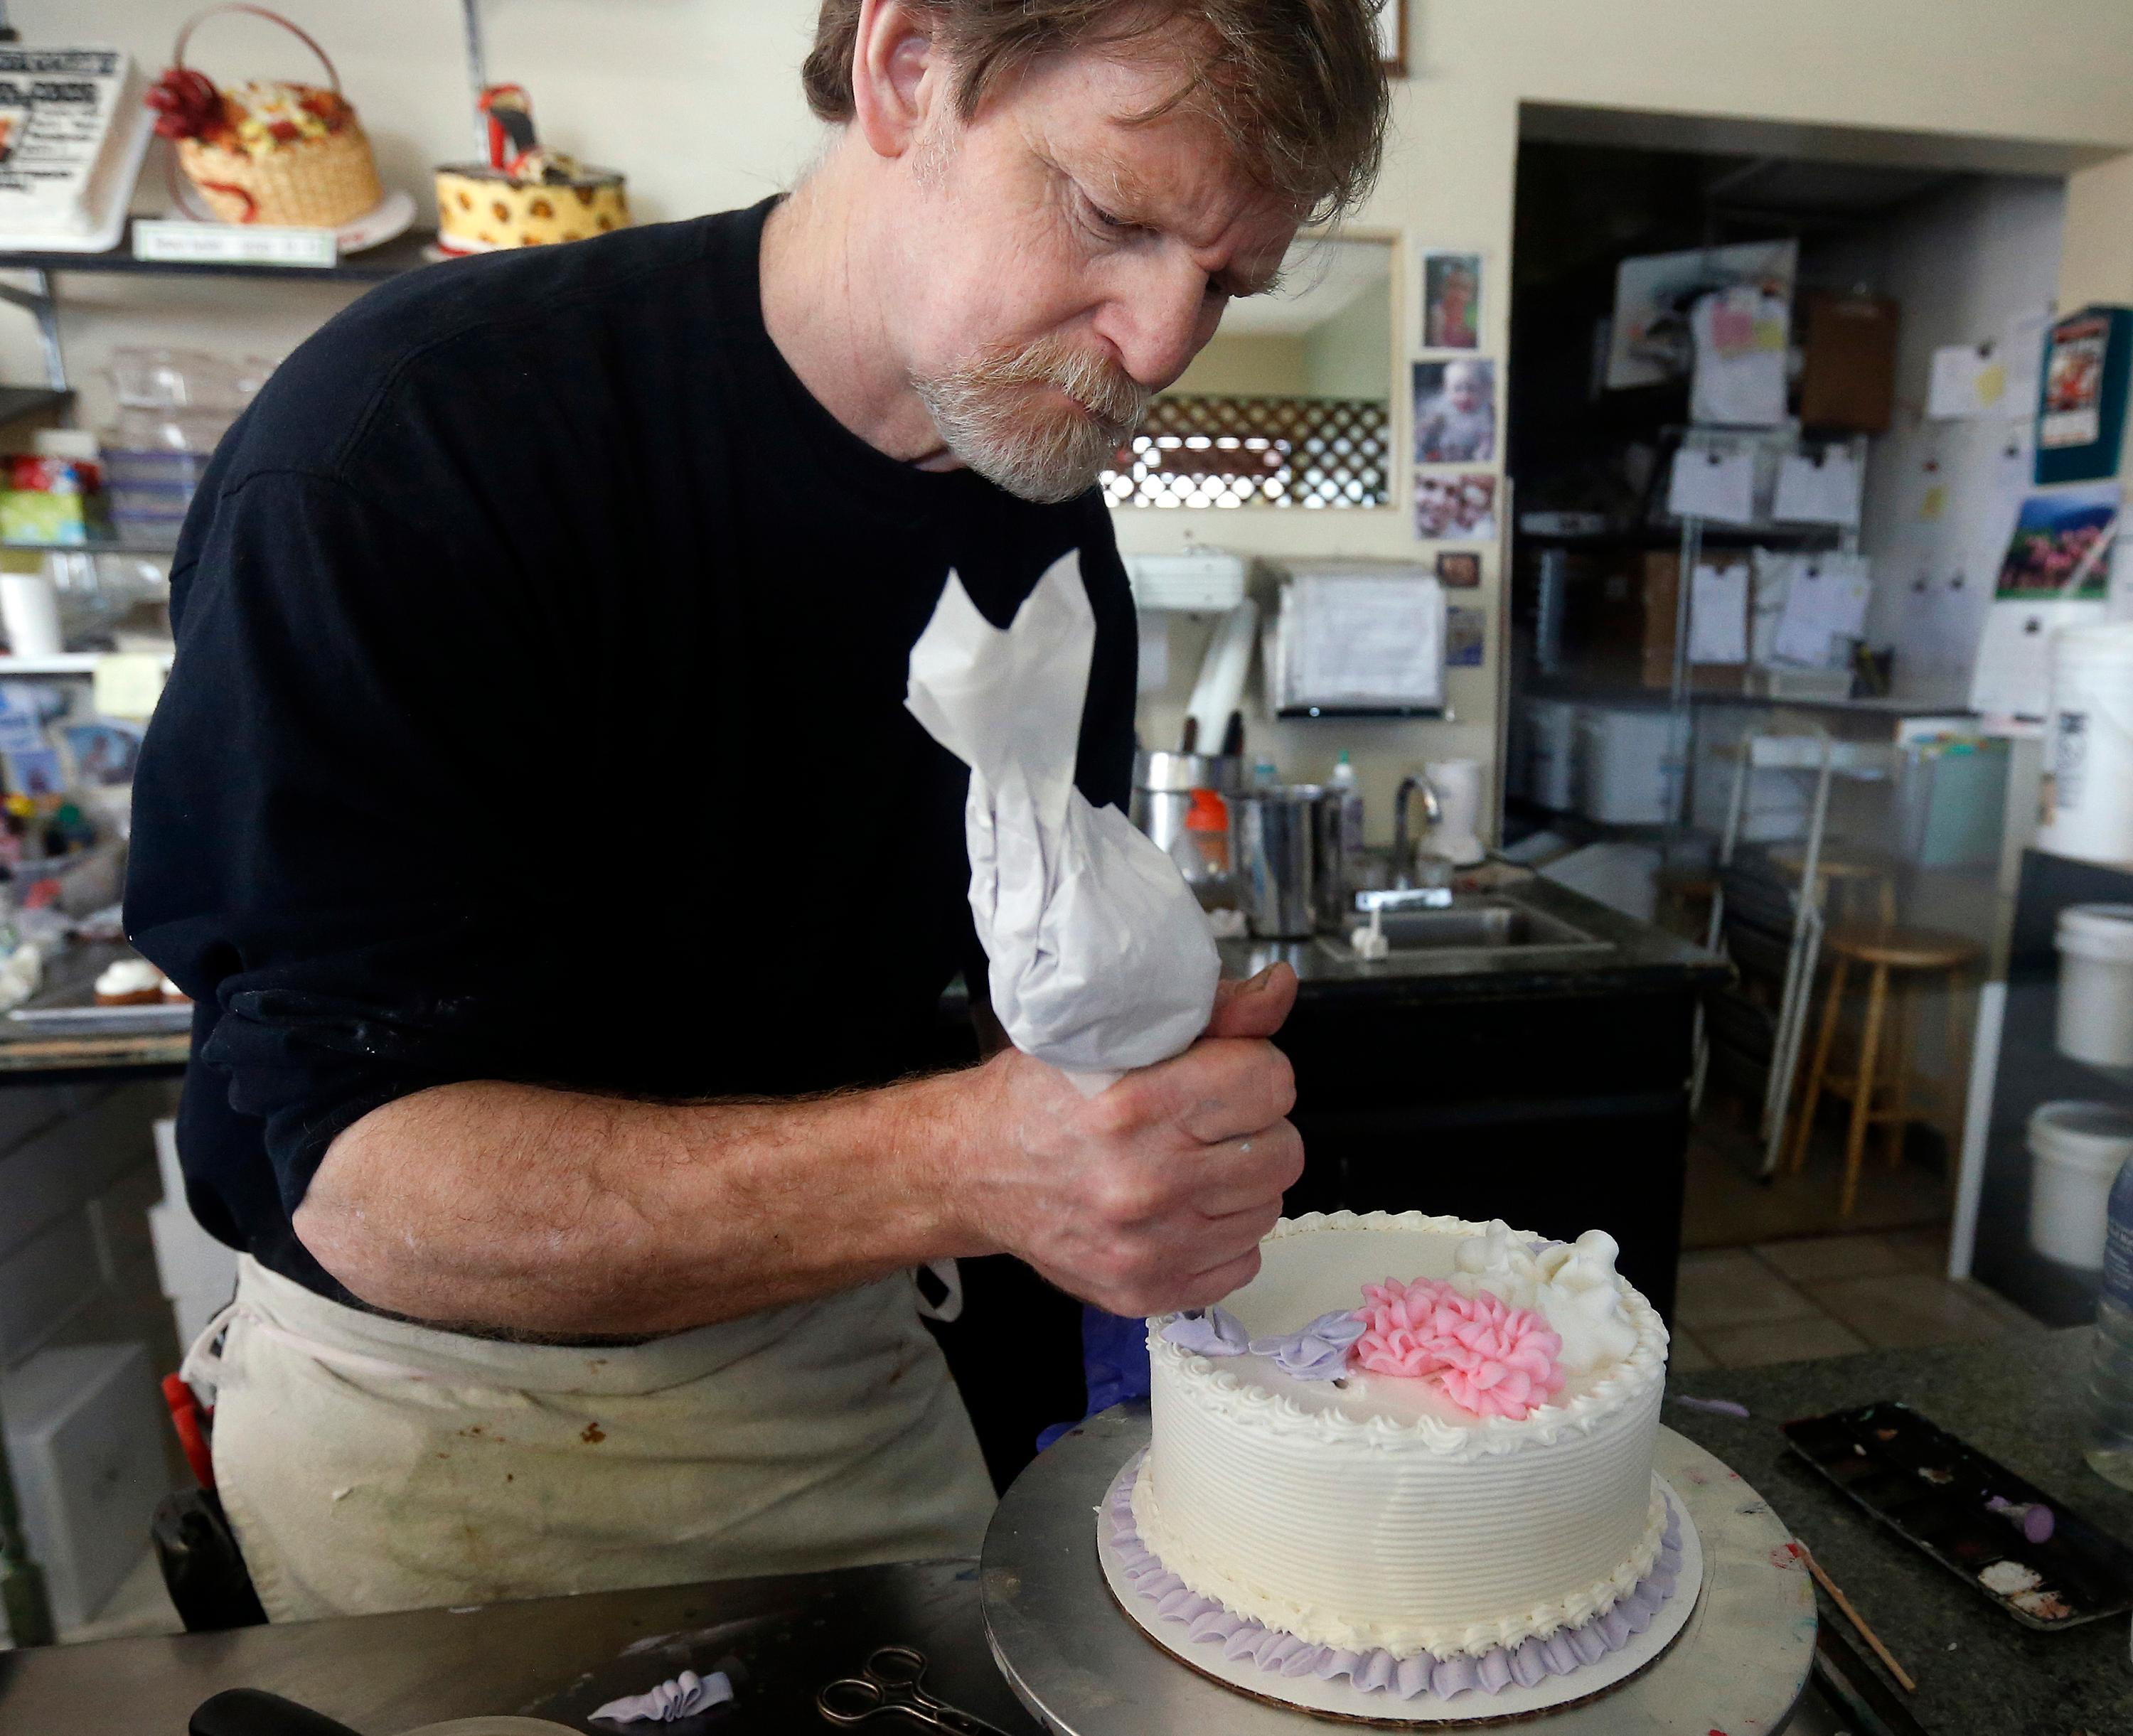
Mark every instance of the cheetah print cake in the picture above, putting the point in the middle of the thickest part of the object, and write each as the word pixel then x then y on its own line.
pixel 480 208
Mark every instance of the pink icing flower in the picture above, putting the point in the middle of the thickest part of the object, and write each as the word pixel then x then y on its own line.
pixel 1490 1358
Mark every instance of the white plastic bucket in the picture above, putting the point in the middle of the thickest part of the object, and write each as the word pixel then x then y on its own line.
pixel 2095 984
pixel 2078 1149
pixel 2088 745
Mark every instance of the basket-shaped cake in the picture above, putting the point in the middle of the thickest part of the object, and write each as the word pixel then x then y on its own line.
pixel 267 152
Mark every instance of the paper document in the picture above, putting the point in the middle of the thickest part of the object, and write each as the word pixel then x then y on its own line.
pixel 1818 490
pixel 1358 639
pixel 1968 380
pixel 1825 609
pixel 2014 673
pixel 1713 482
pixel 1718 614
pixel 1740 377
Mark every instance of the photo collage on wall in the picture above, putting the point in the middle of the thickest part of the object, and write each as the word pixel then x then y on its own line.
pixel 1454 404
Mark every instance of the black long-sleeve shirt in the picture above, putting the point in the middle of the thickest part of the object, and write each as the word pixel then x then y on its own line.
pixel 538 715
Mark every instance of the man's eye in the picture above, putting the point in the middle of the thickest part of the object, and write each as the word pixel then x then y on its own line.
pixel 1103 219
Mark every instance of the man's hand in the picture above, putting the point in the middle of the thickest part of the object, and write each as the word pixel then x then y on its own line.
pixel 1153 1194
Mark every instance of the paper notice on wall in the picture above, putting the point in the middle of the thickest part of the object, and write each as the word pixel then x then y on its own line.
pixel 1825 609
pixel 2022 346
pixel 1822 489
pixel 2012 677
pixel 1718 614
pixel 1740 379
pixel 1967 380
pixel 1713 482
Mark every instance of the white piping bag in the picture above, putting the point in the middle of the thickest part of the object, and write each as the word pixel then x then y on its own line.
pixel 1101 958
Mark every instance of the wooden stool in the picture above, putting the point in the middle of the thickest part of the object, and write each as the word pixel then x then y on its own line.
pixel 1843 882
pixel 1883 950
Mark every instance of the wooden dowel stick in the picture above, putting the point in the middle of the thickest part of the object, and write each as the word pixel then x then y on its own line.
pixel 1858 1620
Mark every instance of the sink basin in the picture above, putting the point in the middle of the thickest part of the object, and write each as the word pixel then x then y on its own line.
pixel 1483 927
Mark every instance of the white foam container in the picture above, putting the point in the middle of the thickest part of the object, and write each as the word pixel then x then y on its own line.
pixel 2078 1149
pixel 1622 765
pixel 2095 984
pixel 2088 745
pixel 1551 761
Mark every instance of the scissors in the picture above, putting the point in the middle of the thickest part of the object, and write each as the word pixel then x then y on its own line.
pixel 894 1682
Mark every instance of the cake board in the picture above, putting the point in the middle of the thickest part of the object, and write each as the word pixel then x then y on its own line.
pixel 1084 1667
pixel 1341 1701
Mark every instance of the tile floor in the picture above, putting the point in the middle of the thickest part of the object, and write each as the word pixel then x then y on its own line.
pixel 1826 1296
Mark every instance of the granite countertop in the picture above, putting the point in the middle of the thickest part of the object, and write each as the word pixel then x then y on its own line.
pixel 1636 956
pixel 2021 1403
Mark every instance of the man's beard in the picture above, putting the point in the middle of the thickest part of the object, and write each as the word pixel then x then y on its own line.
pixel 991 419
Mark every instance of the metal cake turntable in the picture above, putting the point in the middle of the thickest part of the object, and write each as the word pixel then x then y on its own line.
pixel 1085 1667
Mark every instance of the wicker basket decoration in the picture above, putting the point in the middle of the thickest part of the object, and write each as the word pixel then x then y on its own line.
pixel 267 152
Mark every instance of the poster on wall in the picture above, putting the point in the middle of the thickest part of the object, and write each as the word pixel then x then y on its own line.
pixel 1455 411
pixel 2055 573
pixel 1650 339
pixel 2060 546
pixel 2081 413
pixel 1451 301
pixel 1455 506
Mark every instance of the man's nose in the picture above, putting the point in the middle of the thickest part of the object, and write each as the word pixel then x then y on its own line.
pixel 1159 323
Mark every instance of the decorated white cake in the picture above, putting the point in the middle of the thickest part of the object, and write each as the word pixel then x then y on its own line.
pixel 61 142
pixel 1415 1452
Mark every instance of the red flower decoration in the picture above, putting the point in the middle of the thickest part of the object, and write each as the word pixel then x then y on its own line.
pixel 186 103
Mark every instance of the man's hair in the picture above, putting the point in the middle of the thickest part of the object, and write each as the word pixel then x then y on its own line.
pixel 1294 86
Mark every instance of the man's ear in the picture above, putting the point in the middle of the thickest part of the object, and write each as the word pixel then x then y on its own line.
pixel 898 79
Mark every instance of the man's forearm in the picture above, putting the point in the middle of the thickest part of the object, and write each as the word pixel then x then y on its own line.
pixel 519 1207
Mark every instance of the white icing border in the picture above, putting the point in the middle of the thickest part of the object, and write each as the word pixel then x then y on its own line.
pixel 1271 1609
pixel 1219 1388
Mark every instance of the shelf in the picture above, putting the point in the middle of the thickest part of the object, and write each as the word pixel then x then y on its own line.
pixel 1666 537
pixel 109 545
pixel 21 401
pixel 69 662
pixel 1608 692
pixel 374 265
pixel 1327 713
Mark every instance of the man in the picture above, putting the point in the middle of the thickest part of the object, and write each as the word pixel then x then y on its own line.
pixel 567 1123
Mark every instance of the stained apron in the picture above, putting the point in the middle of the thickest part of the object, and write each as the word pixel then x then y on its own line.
pixel 370 1464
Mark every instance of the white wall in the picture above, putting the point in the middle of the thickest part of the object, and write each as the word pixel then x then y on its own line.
pixel 1964 265
pixel 698 101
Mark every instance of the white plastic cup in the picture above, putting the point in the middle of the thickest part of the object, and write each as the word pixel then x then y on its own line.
pixel 30 612
pixel 2078 1149
pixel 2095 984
pixel 1457 835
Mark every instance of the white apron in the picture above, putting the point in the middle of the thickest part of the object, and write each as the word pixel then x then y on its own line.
pixel 369 1464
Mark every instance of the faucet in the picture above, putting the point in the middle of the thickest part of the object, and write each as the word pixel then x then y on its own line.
pixel 1433 811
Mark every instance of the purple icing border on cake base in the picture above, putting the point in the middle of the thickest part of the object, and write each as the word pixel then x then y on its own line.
pixel 1527 1664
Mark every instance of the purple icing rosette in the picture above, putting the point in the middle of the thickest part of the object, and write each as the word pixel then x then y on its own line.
pixel 1208 1332
pixel 1319 1352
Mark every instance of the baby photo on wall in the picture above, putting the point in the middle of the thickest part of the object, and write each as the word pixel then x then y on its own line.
pixel 1455 411
pixel 1451 301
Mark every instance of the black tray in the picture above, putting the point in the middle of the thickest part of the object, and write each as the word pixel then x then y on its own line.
pixel 1934 1492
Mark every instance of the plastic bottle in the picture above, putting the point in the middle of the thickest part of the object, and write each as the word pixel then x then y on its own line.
pixel 2110 1443
pixel 1345 781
